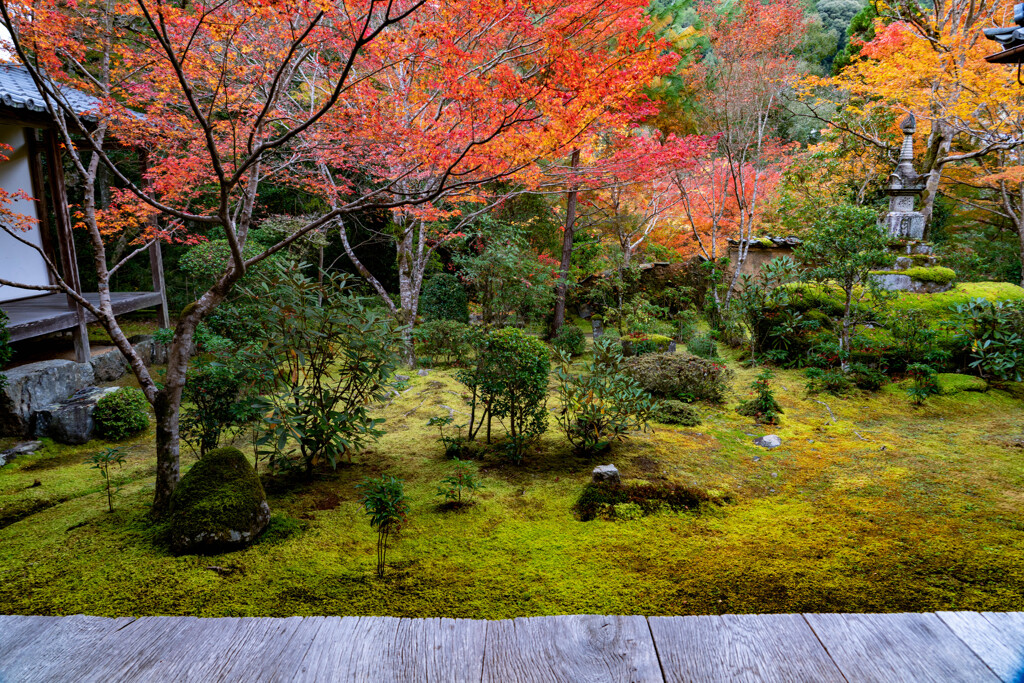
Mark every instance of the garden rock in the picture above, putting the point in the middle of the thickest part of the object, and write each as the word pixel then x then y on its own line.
pixel 70 421
pixel 402 378
pixel 769 441
pixel 606 473
pixel 218 505
pixel 22 448
pixel 109 366
pixel 33 386
pixel 423 373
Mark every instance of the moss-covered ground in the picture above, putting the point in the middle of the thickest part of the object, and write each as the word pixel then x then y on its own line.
pixel 870 504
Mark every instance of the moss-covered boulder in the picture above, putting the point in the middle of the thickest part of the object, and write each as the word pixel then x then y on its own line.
pixel 218 505
pixel 952 383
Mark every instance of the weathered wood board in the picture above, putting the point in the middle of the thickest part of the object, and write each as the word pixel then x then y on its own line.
pixel 769 647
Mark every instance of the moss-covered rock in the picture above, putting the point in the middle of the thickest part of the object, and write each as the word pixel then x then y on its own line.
pixel 953 383
pixel 218 505
pixel 677 413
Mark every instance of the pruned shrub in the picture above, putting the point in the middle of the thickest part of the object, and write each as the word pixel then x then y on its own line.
pixel 681 377
pixel 121 414
pixel 442 339
pixel 509 381
pixel 444 298
pixel 677 413
pixel 703 345
pixel 570 339
pixel 603 499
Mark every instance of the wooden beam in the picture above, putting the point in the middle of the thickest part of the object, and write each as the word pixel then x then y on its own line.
pixel 156 268
pixel 66 242
pixel 35 165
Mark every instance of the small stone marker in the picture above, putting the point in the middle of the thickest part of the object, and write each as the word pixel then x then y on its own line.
pixel 769 441
pixel 606 473
pixel 597 328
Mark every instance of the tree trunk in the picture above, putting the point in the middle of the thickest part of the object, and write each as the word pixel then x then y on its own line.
pixel 938 147
pixel 563 273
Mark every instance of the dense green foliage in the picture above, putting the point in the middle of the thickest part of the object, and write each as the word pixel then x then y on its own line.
pixel 445 341
pixel 570 339
pixel 600 404
pixel 329 363
pixel 461 483
pixel 444 298
pixel 121 414
pixel 680 377
pixel 508 382
pixel 672 412
pixel 601 499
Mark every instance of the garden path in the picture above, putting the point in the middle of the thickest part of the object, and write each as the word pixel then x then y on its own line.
pixel 942 646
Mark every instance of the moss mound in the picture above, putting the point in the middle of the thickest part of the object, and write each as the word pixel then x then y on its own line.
pixel 218 505
pixel 953 383
pixel 606 499
pixel 677 413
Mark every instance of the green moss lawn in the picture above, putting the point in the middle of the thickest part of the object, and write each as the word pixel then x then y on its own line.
pixel 888 507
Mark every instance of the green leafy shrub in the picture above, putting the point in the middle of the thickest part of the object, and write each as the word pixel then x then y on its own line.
pixel 508 381
pixel 763 407
pixel 220 395
pixel 121 414
pixel 384 502
pixel 866 377
pixel 570 339
pixel 454 444
pixel 460 484
pixel 329 365
pixel 703 346
pixel 677 413
pixel 601 404
pixel 992 334
pixel 677 376
pixel 599 499
pixel 639 344
pixel 829 380
pixel 924 384
pixel 443 339
pixel 687 325
pixel 444 298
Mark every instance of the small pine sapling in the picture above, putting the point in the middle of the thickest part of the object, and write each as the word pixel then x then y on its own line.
pixel 763 407
pixel 460 485
pixel 102 462
pixel 384 502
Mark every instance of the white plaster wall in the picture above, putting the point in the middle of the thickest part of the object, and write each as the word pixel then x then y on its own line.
pixel 19 262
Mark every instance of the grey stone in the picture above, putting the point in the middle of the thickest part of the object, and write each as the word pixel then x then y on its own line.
pixel 898 282
pixel 672 346
pixel 402 378
pixel 36 385
pixel 768 441
pixel 903 262
pixel 70 421
pixel 606 473
pixel 585 311
pixel 109 366
pixel 597 328
pixel 19 449
pixel 423 373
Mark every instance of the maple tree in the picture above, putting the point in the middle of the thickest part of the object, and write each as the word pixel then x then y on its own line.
pixel 928 60
pixel 407 105
pixel 750 66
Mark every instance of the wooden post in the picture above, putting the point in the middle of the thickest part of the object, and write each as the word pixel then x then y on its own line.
pixel 156 267
pixel 156 260
pixel 66 242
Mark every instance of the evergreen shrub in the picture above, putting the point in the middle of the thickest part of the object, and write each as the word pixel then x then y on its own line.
pixel 444 298
pixel 121 414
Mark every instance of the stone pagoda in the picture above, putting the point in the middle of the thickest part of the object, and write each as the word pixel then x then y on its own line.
pixel 903 222
pixel 915 267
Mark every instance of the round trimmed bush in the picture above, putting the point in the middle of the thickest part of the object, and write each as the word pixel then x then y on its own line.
pixel 121 414
pixel 570 339
pixel 218 505
pixel 677 413
pixel 444 298
pixel 680 377
pixel 639 344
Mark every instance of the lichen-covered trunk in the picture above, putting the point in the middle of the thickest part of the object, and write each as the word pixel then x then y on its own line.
pixel 168 470
pixel 563 268
pixel 412 261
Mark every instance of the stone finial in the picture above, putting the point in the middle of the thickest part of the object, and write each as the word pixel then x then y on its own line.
pixel 908 125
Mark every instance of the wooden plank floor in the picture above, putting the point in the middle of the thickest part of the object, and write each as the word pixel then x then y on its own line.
pixel 943 646
pixel 48 313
